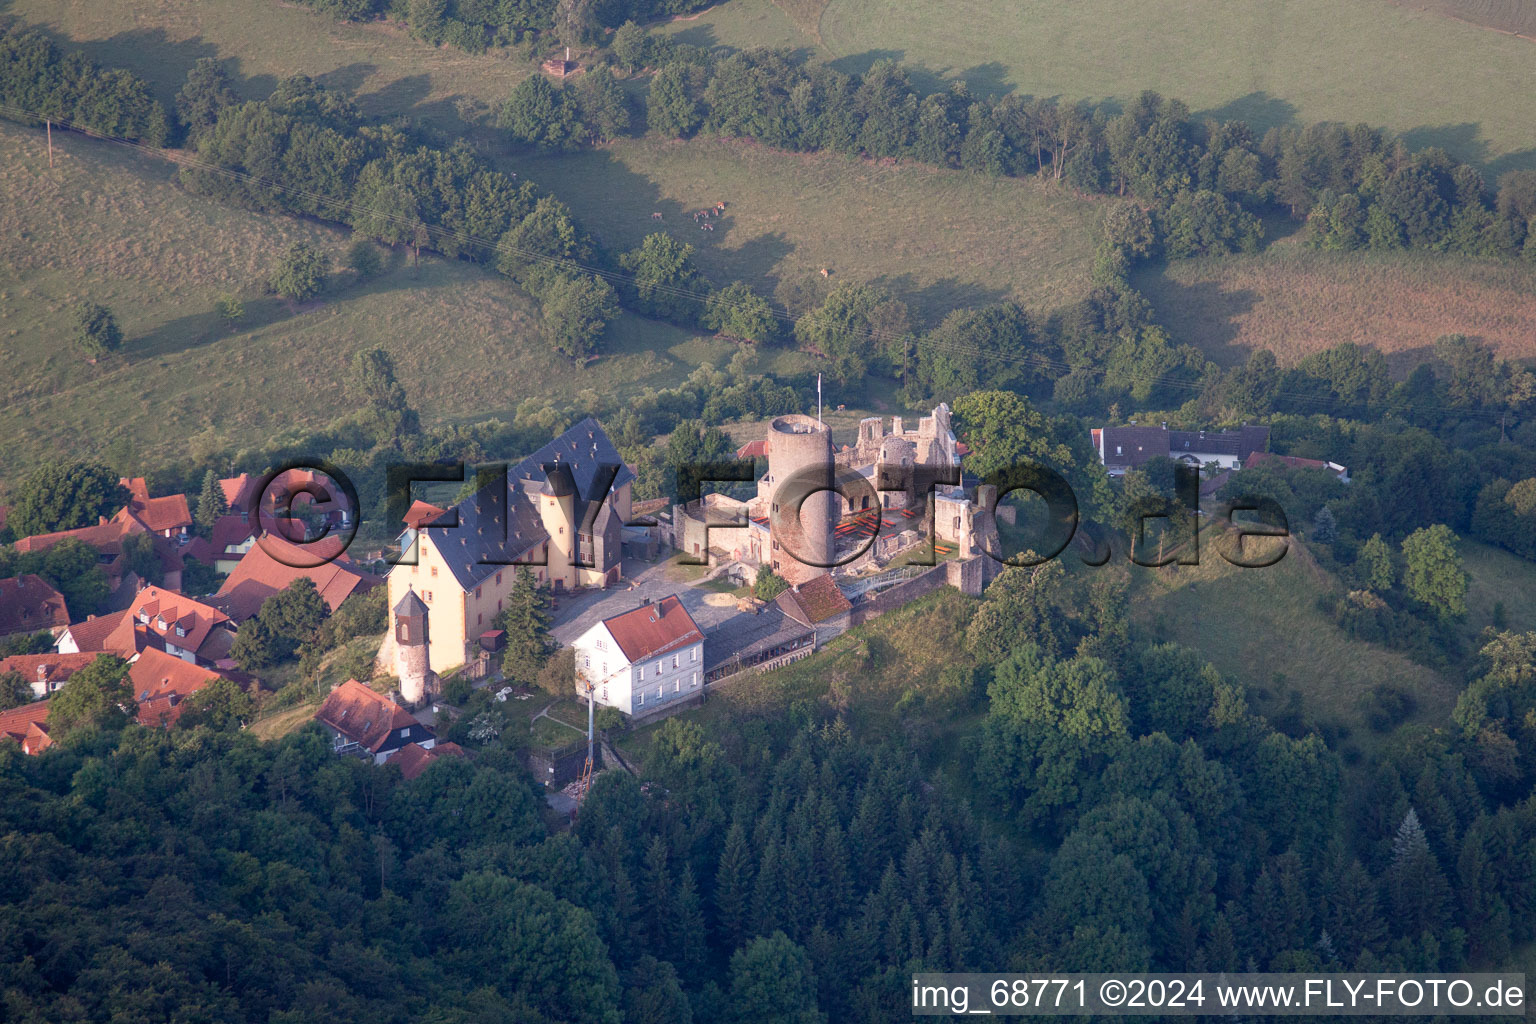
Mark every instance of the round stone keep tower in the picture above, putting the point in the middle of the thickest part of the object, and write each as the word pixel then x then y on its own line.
pixel 800 462
pixel 412 650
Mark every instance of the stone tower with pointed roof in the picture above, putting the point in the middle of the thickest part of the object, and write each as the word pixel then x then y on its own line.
pixel 411 649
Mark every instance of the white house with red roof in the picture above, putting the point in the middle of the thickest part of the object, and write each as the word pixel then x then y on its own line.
pixel 644 660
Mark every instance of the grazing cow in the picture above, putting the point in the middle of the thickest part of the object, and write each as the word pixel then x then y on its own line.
pixel 655 216
pixel 710 226
pixel 825 272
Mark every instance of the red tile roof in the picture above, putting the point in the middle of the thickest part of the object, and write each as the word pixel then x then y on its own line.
pixel 274 563
pixel 52 668
pixel 28 604
pixel 816 600
pixel 363 716
pixel 228 532
pixel 169 512
pixel 161 682
pixel 239 492
pixel 413 758
pixel 27 726
pixel 421 512
pixel 181 614
pixel 753 450
pixel 654 629
pixel 107 538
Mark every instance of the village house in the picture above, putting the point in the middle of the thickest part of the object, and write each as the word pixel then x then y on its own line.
pixel 27 725
pixel 45 672
pixel 565 525
pixel 226 544
pixel 186 628
pixel 413 758
pixel 166 516
pixel 118 633
pixel 107 537
pixel 161 682
pixel 1131 447
pixel 1295 462
pixel 364 723
pixel 28 604
pixel 819 604
pixel 272 564
pixel 643 661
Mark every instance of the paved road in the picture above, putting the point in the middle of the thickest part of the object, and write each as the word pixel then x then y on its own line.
pixel 576 614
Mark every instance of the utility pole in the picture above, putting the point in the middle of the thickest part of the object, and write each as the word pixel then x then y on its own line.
pixel 818 398
pixel 49 123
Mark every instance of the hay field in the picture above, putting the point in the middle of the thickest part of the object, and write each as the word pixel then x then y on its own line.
pixel 1295 301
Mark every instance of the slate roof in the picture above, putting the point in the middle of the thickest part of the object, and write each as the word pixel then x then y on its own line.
pixel 481 544
pixel 28 604
pixel 654 629
pixel 584 450
pixel 746 635
pixel 363 716
pixel 490 535
pixel 1138 445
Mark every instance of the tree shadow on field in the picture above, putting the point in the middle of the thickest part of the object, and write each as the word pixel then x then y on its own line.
pixel 155 57
pixel 203 327
pixel 859 63
pixel 1201 313
pixel 989 79
pixel 1465 142
pixel 698 35
pixel 1259 109
pixel 349 79
pixel 930 303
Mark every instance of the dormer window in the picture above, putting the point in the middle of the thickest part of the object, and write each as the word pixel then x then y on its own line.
pixel 144 618
pixel 181 630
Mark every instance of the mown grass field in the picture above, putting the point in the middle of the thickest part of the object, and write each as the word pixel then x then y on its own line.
pixel 938 239
pixel 1441 81
pixel 110 225
pixel 1295 301
pixel 1263 626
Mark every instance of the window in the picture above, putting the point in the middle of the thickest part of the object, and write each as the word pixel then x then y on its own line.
pixel 639 700
pixel 641 672
pixel 677 685
pixel 674 661
pixel 426 595
pixel 477 593
pixel 498 604
pixel 498 579
pixel 181 630
pixel 434 572
pixel 1119 450
pixel 694 654
pixel 404 733
pixel 479 618
pixel 601 646
pixel 695 679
